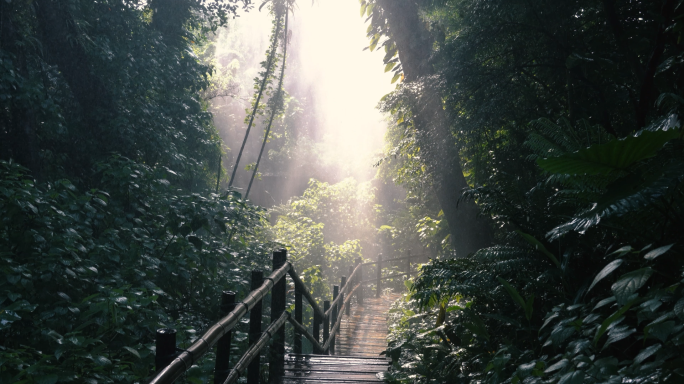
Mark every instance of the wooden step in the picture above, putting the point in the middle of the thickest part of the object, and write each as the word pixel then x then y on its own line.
pixel 361 339
pixel 333 369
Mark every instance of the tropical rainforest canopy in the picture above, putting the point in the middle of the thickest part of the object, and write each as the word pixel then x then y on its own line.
pixel 533 152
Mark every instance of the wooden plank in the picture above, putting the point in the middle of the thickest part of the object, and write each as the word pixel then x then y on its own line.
pixel 317 373
pixel 327 381
pixel 307 379
pixel 365 331
pixel 335 365
pixel 361 338
pixel 368 348
pixel 293 356
pixel 342 360
pixel 337 368
pixel 332 375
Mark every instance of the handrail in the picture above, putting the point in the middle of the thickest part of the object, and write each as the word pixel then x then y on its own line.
pixel 395 259
pixel 338 323
pixel 305 292
pixel 350 278
pixel 385 278
pixel 171 365
pixel 185 360
pixel 317 346
pixel 342 292
pixel 254 350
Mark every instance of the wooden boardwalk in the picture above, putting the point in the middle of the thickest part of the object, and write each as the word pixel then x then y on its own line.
pixel 364 333
pixel 357 349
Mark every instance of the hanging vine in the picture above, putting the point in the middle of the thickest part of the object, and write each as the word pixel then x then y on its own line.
pixel 276 103
pixel 261 85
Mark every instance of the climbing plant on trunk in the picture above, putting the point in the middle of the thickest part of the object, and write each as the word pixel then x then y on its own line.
pixel 408 44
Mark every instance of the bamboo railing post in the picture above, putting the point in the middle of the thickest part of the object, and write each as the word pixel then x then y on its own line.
pixel 359 295
pixel 166 348
pixel 222 366
pixel 352 284
pixel 317 327
pixel 276 366
pixel 343 283
pixel 255 328
pixel 333 317
pixel 187 358
pixel 297 345
pixel 378 266
pixel 326 324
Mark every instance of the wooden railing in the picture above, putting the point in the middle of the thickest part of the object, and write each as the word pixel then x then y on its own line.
pixel 380 263
pixel 170 364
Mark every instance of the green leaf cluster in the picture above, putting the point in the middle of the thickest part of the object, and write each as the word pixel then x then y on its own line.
pixel 574 150
pixel 88 276
pixel 328 227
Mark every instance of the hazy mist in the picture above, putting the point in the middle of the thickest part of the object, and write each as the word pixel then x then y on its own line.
pixel 335 83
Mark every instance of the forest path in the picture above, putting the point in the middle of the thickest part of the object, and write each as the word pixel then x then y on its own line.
pixel 364 333
pixel 358 345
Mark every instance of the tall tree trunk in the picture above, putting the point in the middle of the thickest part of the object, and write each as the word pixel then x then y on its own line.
pixel 264 81
pixel 276 107
pixel 438 146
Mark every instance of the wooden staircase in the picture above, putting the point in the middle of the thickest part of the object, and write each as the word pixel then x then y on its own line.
pixel 353 335
pixel 358 345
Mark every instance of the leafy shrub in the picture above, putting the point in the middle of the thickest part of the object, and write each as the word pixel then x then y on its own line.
pixel 606 307
pixel 328 227
pixel 87 277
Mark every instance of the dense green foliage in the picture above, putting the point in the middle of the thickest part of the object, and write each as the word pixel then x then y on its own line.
pixel 328 227
pixel 566 116
pixel 109 228
pixel 562 120
pixel 105 241
pixel 88 276
pixel 84 79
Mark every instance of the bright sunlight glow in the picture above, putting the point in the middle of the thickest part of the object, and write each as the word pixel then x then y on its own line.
pixel 347 82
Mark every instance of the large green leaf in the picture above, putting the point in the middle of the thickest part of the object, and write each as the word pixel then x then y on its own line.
pixel 657 252
pixel 573 377
pixel 539 246
pixel 526 305
pixel 614 156
pixel 513 292
pixel 679 308
pixel 610 320
pixel 630 283
pixel 613 265
pixel 529 307
pixel 389 66
pixel 660 330
pixel 646 353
